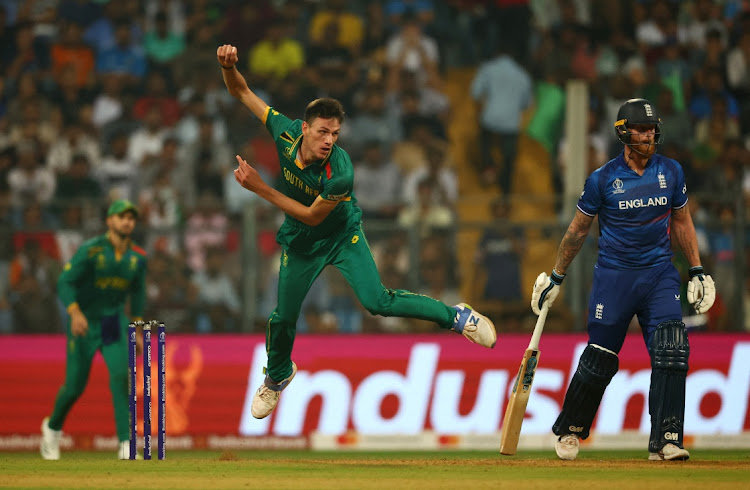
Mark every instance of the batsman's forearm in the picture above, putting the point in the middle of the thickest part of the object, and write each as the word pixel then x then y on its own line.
pixel 683 231
pixel 569 247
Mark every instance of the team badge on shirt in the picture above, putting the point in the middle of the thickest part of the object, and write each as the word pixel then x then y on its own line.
pixel 618 185
pixel 662 181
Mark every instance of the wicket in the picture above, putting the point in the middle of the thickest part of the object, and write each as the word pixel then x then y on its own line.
pixel 162 388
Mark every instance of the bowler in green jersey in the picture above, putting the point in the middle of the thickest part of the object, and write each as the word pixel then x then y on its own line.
pixel 322 227
pixel 94 287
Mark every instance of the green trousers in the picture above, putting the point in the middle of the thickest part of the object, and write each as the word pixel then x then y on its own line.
pixel 352 256
pixel 80 354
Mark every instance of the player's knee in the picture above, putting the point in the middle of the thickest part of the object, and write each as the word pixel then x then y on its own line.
pixel 378 304
pixel 598 365
pixel 670 348
pixel 74 389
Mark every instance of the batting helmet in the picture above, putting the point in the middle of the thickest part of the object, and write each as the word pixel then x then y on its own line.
pixel 636 111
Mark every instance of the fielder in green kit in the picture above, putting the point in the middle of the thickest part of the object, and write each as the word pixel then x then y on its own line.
pixel 94 287
pixel 322 227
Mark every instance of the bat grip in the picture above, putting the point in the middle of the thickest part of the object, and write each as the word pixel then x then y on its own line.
pixel 534 342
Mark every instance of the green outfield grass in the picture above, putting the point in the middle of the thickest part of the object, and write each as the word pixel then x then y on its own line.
pixel 391 470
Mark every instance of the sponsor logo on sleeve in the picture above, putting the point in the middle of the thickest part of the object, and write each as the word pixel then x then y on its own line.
pixel 337 197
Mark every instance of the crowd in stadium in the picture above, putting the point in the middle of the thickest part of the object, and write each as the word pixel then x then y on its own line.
pixel 104 100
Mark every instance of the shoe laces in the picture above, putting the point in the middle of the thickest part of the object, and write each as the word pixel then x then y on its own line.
pixel 267 394
pixel 569 440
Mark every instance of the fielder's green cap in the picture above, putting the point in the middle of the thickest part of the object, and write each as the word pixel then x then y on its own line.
pixel 120 206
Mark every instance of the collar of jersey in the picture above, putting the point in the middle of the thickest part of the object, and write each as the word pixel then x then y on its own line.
pixel 295 150
pixel 624 163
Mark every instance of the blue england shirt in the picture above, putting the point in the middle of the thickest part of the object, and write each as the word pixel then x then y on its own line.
pixel 634 210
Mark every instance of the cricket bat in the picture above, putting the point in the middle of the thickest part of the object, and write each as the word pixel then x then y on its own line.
pixel 516 409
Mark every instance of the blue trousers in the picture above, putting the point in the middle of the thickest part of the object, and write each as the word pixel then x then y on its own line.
pixel 653 295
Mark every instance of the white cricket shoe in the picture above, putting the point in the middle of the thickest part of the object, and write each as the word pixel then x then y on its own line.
pixel 123 451
pixel 670 452
pixel 566 447
pixel 474 326
pixel 49 446
pixel 268 394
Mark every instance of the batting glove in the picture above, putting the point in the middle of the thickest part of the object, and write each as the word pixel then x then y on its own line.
pixel 701 291
pixel 546 289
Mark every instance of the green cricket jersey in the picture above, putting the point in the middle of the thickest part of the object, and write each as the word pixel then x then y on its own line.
pixel 332 178
pixel 100 282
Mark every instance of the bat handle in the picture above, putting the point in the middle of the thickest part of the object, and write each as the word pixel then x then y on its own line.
pixel 534 343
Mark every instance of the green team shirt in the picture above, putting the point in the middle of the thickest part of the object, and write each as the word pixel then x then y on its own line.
pixel 332 179
pixel 100 282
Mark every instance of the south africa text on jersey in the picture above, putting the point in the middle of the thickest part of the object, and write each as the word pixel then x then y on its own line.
pixel 297 182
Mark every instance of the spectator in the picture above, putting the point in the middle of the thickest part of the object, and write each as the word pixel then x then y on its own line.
pixel 74 141
pixel 335 17
pixel 738 66
pixel 399 12
pixel 206 161
pixel 125 58
pixel 503 89
pixel 724 126
pixel 712 87
pixel 7 162
pixel 439 171
pixel 218 306
pixel 372 123
pixel 325 54
pixel 276 56
pixel 206 227
pixel 162 211
pixel 80 12
pixel 69 236
pixel 108 103
pixel 245 24
pixel 157 97
pixel 33 223
pixel 149 139
pixel 170 291
pixel 101 34
pixel 30 181
pixel 76 183
pixel 25 55
pixel 72 51
pixel 381 201
pixel 499 256
pixel 679 124
pixel 33 278
pixel 118 170
pixel 27 93
pixel 163 44
pixel 200 53
pixel 410 49
pixel 69 96
pixel 424 214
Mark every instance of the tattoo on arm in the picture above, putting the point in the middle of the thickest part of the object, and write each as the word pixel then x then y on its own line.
pixel 573 241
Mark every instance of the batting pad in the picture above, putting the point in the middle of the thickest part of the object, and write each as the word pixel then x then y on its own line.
pixel 669 351
pixel 595 370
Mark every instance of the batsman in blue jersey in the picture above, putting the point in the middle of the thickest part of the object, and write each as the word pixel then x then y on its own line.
pixel 641 200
